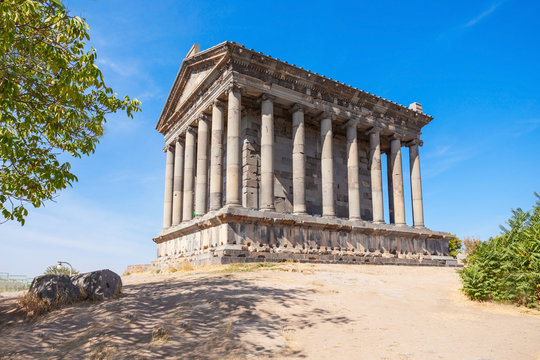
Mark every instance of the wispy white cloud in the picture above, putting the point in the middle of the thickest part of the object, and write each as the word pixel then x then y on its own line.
pixel 482 15
pixel 526 127
pixel 124 68
pixel 88 234
pixel 441 151
pixel 445 158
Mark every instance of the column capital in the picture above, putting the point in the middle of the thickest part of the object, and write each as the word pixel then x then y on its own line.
pixel 235 86
pixel 373 130
pixel 352 122
pixel 327 115
pixel 191 129
pixel 219 103
pixel 168 147
pixel 267 97
pixel 414 142
pixel 396 136
pixel 203 116
pixel 180 139
pixel 298 107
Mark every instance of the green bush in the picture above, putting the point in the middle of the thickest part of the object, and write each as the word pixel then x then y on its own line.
pixel 454 246
pixel 507 267
pixel 54 270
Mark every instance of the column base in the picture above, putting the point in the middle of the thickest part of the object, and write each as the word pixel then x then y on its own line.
pixel 268 209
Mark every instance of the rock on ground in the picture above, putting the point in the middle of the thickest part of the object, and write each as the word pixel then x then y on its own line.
pixel 55 289
pixel 98 285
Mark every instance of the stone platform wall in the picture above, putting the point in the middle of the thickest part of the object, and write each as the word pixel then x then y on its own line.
pixel 239 235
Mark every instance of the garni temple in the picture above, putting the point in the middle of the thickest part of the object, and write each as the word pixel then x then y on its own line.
pixel 267 161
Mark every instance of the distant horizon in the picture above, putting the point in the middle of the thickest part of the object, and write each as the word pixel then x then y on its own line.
pixel 473 67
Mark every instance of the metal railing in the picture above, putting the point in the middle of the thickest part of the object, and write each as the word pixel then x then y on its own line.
pixel 11 282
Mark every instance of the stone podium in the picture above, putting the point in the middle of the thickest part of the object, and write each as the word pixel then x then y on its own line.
pixel 266 161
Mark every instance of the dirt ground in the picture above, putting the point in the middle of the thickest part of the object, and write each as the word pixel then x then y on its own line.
pixel 282 311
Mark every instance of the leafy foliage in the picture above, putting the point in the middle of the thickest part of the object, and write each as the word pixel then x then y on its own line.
pixel 53 100
pixel 54 270
pixel 471 244
pixel 454 246
pixel 507 267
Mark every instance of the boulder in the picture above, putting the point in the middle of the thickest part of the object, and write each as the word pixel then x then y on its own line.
pixel 55 289
pixel 98 285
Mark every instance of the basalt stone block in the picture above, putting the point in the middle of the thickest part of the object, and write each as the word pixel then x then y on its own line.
pixel 98 285
pixel 55 289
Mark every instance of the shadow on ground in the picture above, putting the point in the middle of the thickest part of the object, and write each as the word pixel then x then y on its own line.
pixel 203 317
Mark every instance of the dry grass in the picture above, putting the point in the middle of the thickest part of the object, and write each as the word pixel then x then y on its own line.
pixel 247 267
pixel 104 353
pixel 160 334
pixel 184 266
pixel 33 306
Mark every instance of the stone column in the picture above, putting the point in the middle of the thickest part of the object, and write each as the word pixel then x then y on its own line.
pixel 234 160
pixel 178 182
pixel 390 188
pixel 202 166
pixel 298 160
pixel 397 181
pixel 352 170
pixel 216 157
pixel 267 153
pixel 327 166
pixel 169 174
pixel 416 183
pixel 376 175
pixel 187 209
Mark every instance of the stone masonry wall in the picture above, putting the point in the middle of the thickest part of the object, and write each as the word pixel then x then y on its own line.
pixel 303 243
pixel 283 196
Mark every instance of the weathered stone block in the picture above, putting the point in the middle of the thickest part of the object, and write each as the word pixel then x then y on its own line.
pixel 99 285
pixel 55 289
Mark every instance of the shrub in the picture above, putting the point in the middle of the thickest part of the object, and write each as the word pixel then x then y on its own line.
pixel 54 270
pixel 507 267
pixel 470 244
pixel 454 246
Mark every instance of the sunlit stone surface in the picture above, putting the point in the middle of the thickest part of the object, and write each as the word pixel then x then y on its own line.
pixel 287 166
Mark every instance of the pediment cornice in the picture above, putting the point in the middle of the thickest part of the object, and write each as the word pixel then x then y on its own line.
pixel 233 57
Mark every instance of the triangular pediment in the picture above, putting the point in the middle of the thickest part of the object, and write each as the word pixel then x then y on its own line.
pixel 201 69
pixel 195 78
pixel 195 68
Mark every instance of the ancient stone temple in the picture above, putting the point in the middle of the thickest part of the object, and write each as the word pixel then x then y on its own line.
pixel 266 161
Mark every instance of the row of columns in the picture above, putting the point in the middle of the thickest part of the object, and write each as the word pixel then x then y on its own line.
pixel 180 167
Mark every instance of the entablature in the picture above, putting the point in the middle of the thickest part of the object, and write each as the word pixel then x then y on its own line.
pixel 260 74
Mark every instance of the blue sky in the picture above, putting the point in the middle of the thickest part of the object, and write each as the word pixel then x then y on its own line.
pixel 474 66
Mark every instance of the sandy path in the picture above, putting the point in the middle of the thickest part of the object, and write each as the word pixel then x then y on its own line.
pixel 293 311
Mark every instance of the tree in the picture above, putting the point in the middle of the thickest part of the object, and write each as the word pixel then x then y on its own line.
pixel 454 246
pixel 53 101
pixel 471 244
